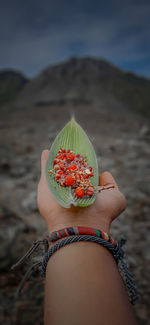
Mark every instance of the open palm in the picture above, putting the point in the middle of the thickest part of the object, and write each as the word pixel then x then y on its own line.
pixel 108 205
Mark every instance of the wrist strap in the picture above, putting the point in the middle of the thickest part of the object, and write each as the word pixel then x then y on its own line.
pixel 117 252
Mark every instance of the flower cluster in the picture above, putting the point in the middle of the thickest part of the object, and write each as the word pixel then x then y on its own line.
pixel 72 169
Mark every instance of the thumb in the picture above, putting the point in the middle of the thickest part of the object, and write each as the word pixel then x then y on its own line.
pixel 44 157
pixel 106 178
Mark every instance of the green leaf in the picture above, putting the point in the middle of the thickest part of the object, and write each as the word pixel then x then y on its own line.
pixel 73 137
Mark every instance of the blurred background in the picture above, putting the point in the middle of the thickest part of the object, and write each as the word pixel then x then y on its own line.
pixel 90 59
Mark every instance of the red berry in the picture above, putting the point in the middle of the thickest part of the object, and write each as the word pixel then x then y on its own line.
pixel 56 161
pixel 56 166
pixel 85 175
pixel 60 172
pixel 72 167
pixel 61 166
pixel 58 175
pixel 69 180
pixel 90 191
pixel 61 156
pixel 63 150
pixel 79 191
pixel 78 176
pixel 62 182
pixel 70 156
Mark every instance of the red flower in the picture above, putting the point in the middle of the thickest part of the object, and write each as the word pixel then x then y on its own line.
pixel 72 167
pixel 70 156
pixel 79 191
pixel 69 180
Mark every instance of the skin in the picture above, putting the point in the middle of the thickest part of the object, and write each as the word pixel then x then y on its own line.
pixel 88 281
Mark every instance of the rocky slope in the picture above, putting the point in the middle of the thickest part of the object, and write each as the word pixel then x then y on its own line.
pixel 87 80
pixel 11 83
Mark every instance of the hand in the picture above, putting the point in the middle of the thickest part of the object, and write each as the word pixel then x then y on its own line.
pixel 108 205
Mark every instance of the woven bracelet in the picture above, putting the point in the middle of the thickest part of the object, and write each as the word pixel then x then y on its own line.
pixel 81 234
pixel 80 230
pixel 117 252
pixel 59 234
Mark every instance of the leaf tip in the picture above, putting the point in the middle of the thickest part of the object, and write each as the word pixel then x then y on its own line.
pixel 73 119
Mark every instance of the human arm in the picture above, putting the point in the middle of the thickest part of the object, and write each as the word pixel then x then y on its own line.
pixel 83 284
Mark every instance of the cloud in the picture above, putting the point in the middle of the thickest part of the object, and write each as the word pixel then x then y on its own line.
pixel 37 33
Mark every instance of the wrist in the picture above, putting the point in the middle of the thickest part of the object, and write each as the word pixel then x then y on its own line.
pixel 70 220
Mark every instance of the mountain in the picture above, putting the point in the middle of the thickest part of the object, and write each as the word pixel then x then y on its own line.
pixel 11 83
pixel 87 80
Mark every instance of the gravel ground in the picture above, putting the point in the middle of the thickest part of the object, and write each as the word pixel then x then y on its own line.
pixel 121 141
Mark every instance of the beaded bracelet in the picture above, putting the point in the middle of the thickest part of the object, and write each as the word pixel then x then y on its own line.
pixel 116 251
pixel 80 230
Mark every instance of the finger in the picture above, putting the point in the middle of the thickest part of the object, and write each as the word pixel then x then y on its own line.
pixel 44 157
pixel 106 178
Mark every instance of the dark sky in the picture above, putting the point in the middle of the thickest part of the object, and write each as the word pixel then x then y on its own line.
pixel 34 34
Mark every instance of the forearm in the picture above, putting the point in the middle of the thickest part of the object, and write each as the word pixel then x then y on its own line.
pixel 83 286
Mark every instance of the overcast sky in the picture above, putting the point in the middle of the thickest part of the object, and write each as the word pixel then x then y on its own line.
pixel 34 34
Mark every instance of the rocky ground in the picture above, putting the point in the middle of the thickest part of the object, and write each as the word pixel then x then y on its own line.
pixel 122 144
